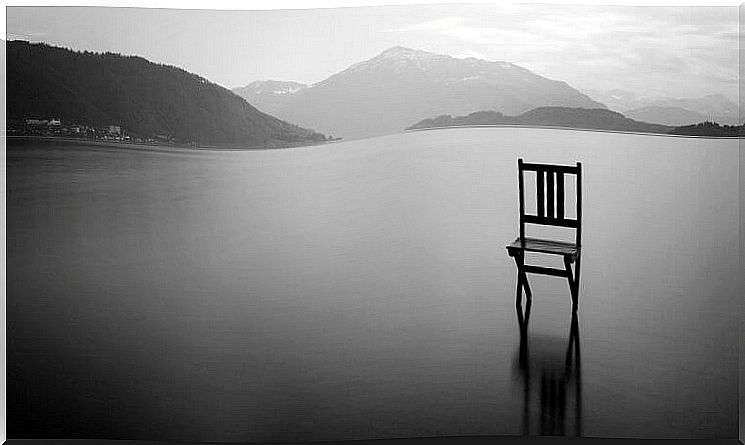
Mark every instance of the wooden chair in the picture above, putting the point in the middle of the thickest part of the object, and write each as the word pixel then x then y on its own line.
pixel 550 212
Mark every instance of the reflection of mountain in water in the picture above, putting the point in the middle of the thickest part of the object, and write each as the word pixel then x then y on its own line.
pixel 549 369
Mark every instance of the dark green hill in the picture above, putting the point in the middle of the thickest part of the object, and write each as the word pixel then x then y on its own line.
pixel 583 118
pixel 711 129
pixel 589 118
pixel 142 97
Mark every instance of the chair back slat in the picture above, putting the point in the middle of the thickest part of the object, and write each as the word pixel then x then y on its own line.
pixel 560 195
pixel 539 197
pixel 550 196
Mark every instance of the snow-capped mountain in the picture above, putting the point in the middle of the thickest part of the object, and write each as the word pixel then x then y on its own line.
pixel 399 86
pixel 270 87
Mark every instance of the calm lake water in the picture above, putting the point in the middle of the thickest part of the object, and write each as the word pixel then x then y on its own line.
pixel 362 290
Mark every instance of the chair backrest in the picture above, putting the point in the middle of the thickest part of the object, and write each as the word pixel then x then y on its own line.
pixel 550 197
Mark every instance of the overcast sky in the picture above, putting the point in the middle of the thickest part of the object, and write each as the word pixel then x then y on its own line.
pixel 670 51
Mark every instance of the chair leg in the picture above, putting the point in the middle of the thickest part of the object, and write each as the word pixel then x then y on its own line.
pixel 572 280
pixel 522 278
pixel 528 292
pixel 576 279
pixel 519 292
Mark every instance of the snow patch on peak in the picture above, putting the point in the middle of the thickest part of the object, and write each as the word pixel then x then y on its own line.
pixel 276 87
pixel 403 53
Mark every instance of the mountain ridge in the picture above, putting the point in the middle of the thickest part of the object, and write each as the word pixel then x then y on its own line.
pixel 579 118
pixel 380 95
pixel 669 110
pixel 143 97
pixel 665 115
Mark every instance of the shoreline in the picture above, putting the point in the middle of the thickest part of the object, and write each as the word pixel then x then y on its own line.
pixel 176 148
pixel 156 148
pixel 557 127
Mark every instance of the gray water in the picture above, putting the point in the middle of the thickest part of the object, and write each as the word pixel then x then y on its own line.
pixel 362 290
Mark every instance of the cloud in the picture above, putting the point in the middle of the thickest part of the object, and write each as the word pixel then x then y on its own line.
pixel 437 25
pixel 675 49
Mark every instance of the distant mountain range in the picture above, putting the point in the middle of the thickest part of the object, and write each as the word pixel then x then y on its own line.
pixel 142 97
pixel 715 107
pixel 271 94
pixel 666 115
pixel 378 96
pixel 583 118
pixel 671 111
pixel 401 85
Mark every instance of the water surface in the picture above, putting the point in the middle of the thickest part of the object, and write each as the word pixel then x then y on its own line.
pixel 362 290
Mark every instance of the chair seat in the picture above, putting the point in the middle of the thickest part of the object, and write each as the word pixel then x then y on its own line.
pixel 544 246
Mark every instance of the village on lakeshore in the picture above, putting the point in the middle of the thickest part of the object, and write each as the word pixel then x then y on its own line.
pixel 56 127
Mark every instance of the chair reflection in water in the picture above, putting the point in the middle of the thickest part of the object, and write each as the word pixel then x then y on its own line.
pixel 555 368
pixel 550 204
